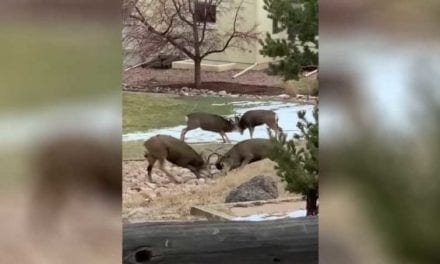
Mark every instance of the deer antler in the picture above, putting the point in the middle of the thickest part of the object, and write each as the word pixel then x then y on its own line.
pixel 210 155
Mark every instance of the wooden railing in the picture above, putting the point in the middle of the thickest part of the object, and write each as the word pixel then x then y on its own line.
pixel 277 241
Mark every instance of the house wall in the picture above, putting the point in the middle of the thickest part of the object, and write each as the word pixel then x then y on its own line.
pixel 265 26
pixel 254 14
pixel 224 24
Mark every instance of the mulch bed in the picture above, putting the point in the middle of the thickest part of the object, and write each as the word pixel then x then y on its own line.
pixel 251 83
pixel 232 88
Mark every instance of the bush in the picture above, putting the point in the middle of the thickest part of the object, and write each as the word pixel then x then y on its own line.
pixel 304 86
pixel 299 166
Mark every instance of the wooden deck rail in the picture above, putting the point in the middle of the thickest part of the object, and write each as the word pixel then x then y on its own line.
pixel 277 241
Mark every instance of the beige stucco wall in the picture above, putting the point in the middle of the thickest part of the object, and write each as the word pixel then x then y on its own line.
pixel 254 14
pixel 265 26
pixel 224 24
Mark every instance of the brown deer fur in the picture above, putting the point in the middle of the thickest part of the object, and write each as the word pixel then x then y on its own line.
pixel 253 118
pixel 163 147
pixel 243 153
pixel 209 122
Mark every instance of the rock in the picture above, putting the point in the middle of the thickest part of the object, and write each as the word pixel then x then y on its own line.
pixel 135 188
pixel 151 185
pixel 201 181
pixel 222 93
pixel 138 199
pixel 192 182
pixel 258 188
pixel 284 96
pixel 161 191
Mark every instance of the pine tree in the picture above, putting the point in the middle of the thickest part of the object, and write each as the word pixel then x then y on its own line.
pixel 299 19
pixel 299 166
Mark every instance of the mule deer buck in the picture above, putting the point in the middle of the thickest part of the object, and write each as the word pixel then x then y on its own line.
pixel 68 164
pixel 253 118
pixel 243 153
pixel 209 122
pixel 163 147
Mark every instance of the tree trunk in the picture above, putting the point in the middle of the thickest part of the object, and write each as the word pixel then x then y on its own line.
pixel 197 74
pixel 311 204
pixel 281 241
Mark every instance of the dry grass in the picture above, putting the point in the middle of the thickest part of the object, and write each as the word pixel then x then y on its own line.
pixel 177 204
pixel 304 86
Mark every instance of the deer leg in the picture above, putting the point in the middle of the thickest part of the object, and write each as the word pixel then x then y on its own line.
pixel 279 130
pixel 162 168
pixel 269 132
pixel 227 139
pixel 251 131
pixel 245 162
pixel 151 161
pixel 182 134
pixel 275 128
pixel 193 170
pixel 184 131
pixel 223 138
pixel 223 134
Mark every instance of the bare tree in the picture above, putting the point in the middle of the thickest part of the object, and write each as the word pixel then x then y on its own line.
pixel 137 40
pixel 187 26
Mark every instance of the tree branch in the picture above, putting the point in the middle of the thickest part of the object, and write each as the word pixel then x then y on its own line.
pixel 170 39
pixel 204 24
pixel 231 37
pixel 179 13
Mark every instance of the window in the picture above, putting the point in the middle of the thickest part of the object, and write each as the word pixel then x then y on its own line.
pixel 205 12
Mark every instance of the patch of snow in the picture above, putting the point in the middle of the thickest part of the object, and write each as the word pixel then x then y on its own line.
pixel 267 217
pixel 286 111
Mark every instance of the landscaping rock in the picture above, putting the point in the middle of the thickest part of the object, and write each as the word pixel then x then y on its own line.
pixel 284 96
pixel 258 188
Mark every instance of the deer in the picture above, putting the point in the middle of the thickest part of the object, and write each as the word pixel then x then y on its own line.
pixel 243 153
pixel 253 118
pixel 68 163
pixel 209 122
pixel 164 147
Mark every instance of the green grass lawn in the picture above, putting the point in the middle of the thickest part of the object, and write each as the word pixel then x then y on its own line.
pixel 143 111
pixel 132 150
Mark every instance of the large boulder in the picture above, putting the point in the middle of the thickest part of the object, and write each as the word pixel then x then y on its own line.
pixel 258 188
